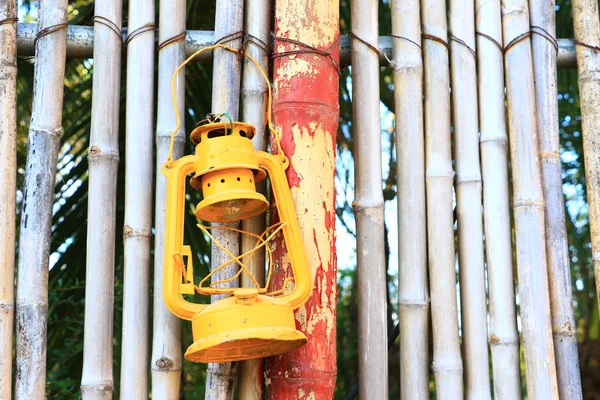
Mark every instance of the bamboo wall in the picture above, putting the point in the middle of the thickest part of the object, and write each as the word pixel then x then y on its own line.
pixel 475 93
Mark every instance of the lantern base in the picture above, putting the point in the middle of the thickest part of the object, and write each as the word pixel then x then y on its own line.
pixel 242 328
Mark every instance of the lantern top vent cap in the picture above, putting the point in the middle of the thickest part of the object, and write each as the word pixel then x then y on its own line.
pixel 219 129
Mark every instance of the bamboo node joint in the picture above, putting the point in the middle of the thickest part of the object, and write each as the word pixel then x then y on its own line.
pixel 498 341
pixel 128 231
pixel 445 368
pixel 550 155
pixel 567 330
pixel 164 363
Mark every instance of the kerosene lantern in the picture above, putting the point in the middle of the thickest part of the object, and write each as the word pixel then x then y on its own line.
pixel 250 323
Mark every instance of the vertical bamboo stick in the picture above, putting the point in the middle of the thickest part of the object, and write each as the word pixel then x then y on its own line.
pixel 138 199
pixel 229 19
pixel 368 204
pixel 254 92
pixel 306 113
pixel 528 204
pixel 586 22
pixel 543 42
pixel 447 362
pixel 8 183
pixel 166 330
pixel 103 159
pixel 44 135
pixel 468 199
pixel 413 294
pixel 504 339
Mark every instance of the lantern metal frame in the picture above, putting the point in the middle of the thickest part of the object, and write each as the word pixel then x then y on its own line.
pixel 252 323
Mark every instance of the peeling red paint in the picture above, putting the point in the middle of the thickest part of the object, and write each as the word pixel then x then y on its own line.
pixel 289 148
pixel 306 113
pixel 329 217
pixel 316 241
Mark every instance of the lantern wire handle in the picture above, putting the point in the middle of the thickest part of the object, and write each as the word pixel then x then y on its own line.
pixel 230 122
pixel 261 242
pixel 167 164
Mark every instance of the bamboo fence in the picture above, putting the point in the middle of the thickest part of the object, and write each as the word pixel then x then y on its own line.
pixel 137 231
pixel 8 183
pixel 449 85
pixel 413 293
pixel 503 335
pixel 45 130
pixel 368 204
pixel 166 358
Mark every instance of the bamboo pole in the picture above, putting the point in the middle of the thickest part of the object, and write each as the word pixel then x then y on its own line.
pixel 543 42
pixel 528 204
pixel 8 183
pixel 447 362
pixel 229 19
pixel 306 113
pixel 103 159
pixel 468 199
pixel 254 96
pixel 368 204
pixel 586 22
pixel 413 293
pixel 80 45
pixel 137 232
pixel 504 339
pixel 44 135
pixel 166 330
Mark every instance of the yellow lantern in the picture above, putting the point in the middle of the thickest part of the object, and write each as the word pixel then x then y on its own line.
pixel 251 323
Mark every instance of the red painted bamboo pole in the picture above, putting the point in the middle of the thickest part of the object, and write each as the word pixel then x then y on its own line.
pixel 305 111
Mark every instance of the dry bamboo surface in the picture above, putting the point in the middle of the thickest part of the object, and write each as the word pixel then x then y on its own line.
pixel 44 135
pixel 540 370
pixel 586 22
pixel 166 330
pixel 504 339
pixel 8 183
pixel 447 362
pixel 413 293
pixel 468 199
pixel 103 159
pixel 543 42
pixel 137 231
pixel 254 96
pixel 368 205
pixel 229 18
